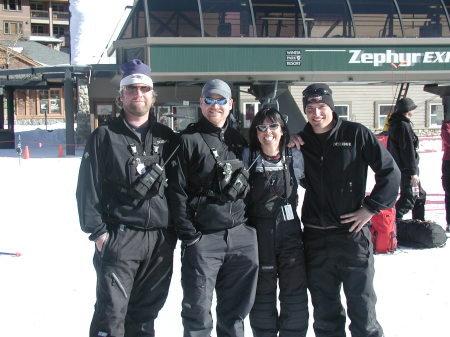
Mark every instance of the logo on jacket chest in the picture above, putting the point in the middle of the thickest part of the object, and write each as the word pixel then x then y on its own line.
pixel 342 144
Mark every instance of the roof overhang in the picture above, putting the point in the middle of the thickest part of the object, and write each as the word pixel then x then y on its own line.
pixel 34 77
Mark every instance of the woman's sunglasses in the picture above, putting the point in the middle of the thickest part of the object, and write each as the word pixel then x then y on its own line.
pixel 211 101
pixel 264 127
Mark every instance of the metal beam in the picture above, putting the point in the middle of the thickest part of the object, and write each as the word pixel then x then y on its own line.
pixel 69 112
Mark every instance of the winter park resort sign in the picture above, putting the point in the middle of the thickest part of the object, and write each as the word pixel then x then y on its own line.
pixel 290 58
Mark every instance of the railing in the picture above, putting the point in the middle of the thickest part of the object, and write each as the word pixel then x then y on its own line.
pixel 45 15
pixel 61 15
pixel 39 14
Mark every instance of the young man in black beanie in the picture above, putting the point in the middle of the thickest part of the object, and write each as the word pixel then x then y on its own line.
pixel 122 205
pixel 335 212
pixel 403 144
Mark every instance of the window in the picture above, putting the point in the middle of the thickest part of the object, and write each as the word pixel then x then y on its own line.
pixel 383 112
pixel 58 30
pixel 250 110
pixel 37 6
pixel 343 111
pixel 435 115
pixel 133 53
pixel 376 18
pixel 50 101
pixel 39 29
pixel 12 28
pixel 171 19
pixel 59 7
pixel 55 101
pixel 231 18
pixel 327 18
pixel 275 19
pixel 423 19
pixel 12 5
pixel 177 117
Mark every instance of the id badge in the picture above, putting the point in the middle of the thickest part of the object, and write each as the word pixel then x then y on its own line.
pixel 288 214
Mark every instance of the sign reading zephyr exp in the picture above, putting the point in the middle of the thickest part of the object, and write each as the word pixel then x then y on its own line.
pixel 293 57
pixel 404 59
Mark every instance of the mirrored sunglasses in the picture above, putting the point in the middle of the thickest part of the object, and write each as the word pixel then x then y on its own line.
pixel 211 101
pixel 134 89
pixel 264 127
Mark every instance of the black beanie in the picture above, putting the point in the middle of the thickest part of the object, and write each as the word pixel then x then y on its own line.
pixel 318 93
pixel 405 105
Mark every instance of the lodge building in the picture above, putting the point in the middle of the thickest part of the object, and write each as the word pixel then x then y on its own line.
pixel 269 51
pixel 369 52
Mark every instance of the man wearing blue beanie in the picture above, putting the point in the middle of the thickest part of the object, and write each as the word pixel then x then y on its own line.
pixel 122 205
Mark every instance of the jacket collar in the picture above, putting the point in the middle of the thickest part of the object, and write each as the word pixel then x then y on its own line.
pixel 337 123
pixel 399 117
pixel 207 127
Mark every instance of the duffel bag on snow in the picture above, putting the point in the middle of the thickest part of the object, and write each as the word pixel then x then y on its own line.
pixel 383 231
pixel 420 234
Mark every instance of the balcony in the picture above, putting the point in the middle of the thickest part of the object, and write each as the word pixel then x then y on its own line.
pixel 39 14
pixel 62 16
pixel 45 15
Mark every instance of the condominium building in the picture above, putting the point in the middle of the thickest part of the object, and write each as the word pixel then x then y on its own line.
pixel 44 21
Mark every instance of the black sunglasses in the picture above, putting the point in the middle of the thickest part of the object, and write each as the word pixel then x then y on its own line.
pixel 318 91
pixel 211 101
pixel 264 127
pixel 133 89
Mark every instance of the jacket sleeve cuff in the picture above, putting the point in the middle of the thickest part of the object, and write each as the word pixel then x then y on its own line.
pixel 102 230
pixel 189 240
pixel 369 207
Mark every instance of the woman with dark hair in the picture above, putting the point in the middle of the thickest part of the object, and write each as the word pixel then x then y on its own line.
pixel 275 172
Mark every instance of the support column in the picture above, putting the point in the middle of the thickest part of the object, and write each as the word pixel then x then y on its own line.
pixel 83 113
pixel 69 111
pixel 446 104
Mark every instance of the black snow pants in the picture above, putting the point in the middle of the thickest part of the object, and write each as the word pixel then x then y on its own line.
pixel 225 261
pixel 446 187
pixel 336 258
pixel 281 260
pixel 134 270
pixel 408 201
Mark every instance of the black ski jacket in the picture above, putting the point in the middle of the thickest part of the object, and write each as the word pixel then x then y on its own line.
pixel 403 144
pixel 106 174
pixel 335 175
pixel 193 211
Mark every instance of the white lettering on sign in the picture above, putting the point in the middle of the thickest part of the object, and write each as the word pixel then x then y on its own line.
pixel 399 59
pixel 293 57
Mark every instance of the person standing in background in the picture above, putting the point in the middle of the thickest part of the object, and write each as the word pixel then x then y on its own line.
pixel 403 144
pixel 445 135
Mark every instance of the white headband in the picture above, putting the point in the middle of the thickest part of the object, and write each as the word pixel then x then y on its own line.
pixel 136 79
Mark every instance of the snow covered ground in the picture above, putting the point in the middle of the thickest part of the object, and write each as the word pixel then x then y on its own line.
pixel 49 291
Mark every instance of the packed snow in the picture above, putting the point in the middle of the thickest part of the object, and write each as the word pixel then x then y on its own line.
pixel 50 289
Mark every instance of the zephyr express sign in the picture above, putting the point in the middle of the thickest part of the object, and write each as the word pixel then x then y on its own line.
pixel 296 58
pixel 399 59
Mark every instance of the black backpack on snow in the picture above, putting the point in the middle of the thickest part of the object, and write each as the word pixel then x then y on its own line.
pixel 420 234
